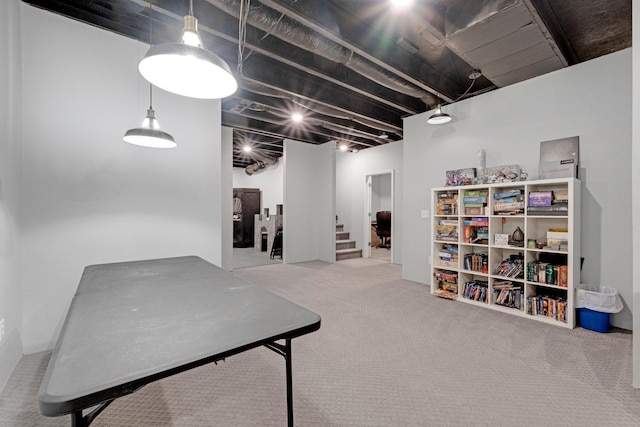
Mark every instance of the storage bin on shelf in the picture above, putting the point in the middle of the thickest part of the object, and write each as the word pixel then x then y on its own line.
pixel 596 306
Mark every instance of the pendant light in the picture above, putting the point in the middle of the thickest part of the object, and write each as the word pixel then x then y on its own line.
pixel 149 133
pixel 439 118
pixel 186 68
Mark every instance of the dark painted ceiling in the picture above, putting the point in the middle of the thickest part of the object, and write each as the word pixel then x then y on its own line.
pixel 355 68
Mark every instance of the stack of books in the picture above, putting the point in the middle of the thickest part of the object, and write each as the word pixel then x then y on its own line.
pixel 476 290
pixel 477 262
pixel 511 267
pixel 447 203
pixel 446 233
pixel 558 239
pixel 448 256
pixel 476 230
pixel 549 274
pixel 548 203
pixel 475 202
pixel 447 283
pixel 508 202
pixel 541 305
pixel 508 294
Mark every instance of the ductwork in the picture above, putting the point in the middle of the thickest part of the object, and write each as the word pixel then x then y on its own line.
pixel 270 92
pixel 289 30
pixel 494 35
pixel 262 161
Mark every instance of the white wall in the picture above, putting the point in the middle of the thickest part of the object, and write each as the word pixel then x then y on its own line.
pixel 87 197
pixel 10 85
pixel 223 199
pixel 309 226
pixel 510 123
pixel 270 181
pixel 635 161
pixel 381 193
pixel 351 172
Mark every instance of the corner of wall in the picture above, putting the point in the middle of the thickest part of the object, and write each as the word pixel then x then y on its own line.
pixel 635 194
pixel 11 347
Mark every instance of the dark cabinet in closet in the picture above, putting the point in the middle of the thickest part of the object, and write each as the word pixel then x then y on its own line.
pixel 247 200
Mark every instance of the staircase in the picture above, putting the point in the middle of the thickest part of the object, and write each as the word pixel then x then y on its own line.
pixel 345 248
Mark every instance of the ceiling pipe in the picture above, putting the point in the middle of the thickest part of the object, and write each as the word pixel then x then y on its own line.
pixel 262 161
pixel 289 30
pixel 288 10
pixel 312 121
pixel 257 87
pixel 260 89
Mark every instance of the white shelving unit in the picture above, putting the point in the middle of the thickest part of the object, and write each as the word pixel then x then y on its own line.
pixel 469 265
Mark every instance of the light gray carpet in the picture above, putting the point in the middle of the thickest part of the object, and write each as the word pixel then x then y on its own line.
pixel 388 354
pixel 382 254
pixel 249 257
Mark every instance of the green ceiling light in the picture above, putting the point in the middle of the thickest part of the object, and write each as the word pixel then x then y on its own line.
pixel 439 118
pixel 149 133
pixel 186 68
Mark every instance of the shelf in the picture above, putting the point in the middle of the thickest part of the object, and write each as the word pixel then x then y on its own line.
pixel 499 277
pixel 513 248
pixel 445 294
pixel 546 319
pixel 474 211
pixel 547 250
pixel 547 285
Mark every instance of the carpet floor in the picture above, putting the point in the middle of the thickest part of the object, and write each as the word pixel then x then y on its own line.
pixel 387 354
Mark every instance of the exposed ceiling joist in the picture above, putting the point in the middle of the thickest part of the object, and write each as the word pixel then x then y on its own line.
pixel 356 68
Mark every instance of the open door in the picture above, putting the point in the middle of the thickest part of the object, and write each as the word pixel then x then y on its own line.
pixel 379 198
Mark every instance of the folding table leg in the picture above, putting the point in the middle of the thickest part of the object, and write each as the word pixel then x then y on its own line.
pixel 285 351
pixel 287 359
pixel 77 420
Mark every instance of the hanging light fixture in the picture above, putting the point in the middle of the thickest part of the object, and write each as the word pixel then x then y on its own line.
pixel 186 67
pixel 149 133
pixel 439 118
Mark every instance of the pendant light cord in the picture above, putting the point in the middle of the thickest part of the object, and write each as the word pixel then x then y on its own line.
pixel 473 80
pixel 466 91
pixel 150 44
pixel 150 22
pixel 245 5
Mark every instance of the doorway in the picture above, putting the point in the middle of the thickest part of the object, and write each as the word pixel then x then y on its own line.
pixel 379 201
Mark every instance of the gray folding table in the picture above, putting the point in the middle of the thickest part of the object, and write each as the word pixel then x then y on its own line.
pixel 133 323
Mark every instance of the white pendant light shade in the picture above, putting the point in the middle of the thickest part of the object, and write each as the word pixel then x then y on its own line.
pixel 186 68
pixel 439 118
pixel 149 134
